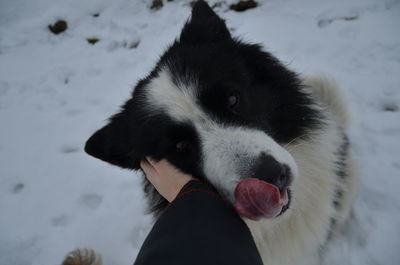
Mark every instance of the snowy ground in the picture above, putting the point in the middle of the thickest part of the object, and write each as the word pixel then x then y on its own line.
pixel 55 90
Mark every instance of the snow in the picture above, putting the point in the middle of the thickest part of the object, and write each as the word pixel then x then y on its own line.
pixel 55 90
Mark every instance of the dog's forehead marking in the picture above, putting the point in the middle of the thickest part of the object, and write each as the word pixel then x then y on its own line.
pixel 177 100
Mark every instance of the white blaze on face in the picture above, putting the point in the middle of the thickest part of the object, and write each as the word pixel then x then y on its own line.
pixel 179 102
pixel 227 151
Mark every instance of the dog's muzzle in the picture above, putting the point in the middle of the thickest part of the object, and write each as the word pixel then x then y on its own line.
pixel 265 194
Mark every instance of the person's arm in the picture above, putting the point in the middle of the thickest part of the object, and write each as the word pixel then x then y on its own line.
pixel 199 227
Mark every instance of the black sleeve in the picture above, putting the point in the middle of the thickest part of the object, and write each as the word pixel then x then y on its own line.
pixel 199 227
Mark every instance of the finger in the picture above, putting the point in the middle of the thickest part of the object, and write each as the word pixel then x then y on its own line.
pixel 147 168
pixel 151 161
pixel 163 167
pixel 149 171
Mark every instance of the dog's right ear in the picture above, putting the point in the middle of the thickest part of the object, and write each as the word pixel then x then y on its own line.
pixel 113 143
pixel 204 26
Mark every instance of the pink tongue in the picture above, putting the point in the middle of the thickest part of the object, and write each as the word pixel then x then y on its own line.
pixel 256 199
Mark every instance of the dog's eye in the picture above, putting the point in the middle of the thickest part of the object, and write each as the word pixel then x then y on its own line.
pixel 233 100
pixel 183 147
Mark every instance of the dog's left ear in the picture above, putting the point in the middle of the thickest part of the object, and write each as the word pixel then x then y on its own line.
pixel 113 143
pixel 204 26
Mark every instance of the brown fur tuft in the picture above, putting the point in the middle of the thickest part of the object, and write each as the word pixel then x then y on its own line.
pixel 82 256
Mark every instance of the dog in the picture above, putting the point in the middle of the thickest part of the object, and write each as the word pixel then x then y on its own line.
pixel 231 114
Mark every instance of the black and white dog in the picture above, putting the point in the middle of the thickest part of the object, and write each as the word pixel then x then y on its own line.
pixel 231 114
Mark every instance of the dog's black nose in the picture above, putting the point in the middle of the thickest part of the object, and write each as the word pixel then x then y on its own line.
pixel 266 168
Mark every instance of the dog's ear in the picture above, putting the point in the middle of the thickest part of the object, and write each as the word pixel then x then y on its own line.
pixel 204 26
pixel 113 143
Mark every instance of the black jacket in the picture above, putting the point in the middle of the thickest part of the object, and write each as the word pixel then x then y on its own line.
pixel 199 227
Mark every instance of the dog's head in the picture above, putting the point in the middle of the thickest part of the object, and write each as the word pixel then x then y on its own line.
pixel 218 109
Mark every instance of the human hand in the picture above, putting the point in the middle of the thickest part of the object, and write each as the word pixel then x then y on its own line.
pixel 166 178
